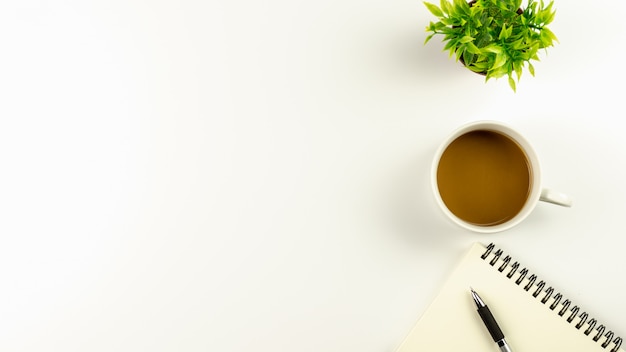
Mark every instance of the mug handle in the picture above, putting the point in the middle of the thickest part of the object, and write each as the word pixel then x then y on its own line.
pixel 550 196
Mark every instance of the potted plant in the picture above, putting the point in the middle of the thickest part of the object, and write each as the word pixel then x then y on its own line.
pixel 494 37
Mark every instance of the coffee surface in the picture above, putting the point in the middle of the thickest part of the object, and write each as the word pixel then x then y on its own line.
pixel 484 178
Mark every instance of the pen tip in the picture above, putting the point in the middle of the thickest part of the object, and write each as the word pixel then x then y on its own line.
pixel 479 302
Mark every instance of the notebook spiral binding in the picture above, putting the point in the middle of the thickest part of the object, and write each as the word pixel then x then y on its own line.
pixel 546 294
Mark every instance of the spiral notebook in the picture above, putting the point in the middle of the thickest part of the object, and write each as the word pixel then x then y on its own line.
pixel 533 315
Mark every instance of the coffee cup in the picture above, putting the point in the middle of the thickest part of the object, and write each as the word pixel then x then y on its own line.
pixel 486 177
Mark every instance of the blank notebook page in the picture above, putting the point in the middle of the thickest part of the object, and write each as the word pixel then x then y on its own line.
pixel 451 322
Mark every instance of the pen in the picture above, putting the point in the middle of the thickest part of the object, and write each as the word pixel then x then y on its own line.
pixel 490 322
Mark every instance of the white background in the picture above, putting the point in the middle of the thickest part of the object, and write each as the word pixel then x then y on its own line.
pixel 254 175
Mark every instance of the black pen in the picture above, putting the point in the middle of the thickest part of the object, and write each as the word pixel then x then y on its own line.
pixel 490 322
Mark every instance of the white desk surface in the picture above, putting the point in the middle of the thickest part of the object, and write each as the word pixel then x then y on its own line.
pixel 254 175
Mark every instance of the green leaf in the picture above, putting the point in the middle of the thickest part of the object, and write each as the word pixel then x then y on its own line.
pixel 531 69
pixel 468 58
pixel 450 45
pixel 472 48
pixel 532 53
pixel 466 39
pixel 492 48
pixel 476 69
pixel 448 21
pixel 500 61
pixel 433 9
pixel 505 33
pixel 546 40
pixel 428 38
pixel 464 6
pixel 541 17
pixel 549 14
pixel 550 34
pixel 517 66
pixel 518 45
pixel 440 26
pixel 512 83
pixel 445 6
pixel 459 52
pixel 550 18
pixel 461 4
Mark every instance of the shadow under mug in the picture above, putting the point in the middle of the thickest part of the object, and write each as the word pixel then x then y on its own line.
pixel 535 192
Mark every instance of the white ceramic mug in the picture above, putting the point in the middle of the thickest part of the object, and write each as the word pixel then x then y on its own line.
pixel 536 192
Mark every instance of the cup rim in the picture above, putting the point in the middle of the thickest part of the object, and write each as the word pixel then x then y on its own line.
pixel 497 126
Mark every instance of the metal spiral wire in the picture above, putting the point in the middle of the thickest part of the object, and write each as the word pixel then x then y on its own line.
pixel 547 294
